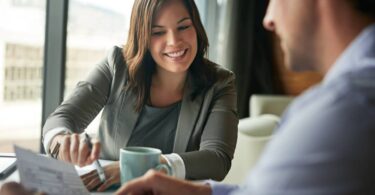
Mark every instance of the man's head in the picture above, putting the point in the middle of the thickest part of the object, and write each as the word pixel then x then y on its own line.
pixel 313 33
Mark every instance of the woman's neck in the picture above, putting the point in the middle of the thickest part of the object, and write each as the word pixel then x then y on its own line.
pixel 166 88
pixel 171 82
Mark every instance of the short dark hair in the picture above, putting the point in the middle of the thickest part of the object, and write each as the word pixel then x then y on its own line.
pixel 365 6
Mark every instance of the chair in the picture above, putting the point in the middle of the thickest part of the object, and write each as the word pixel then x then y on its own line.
pixel 254 133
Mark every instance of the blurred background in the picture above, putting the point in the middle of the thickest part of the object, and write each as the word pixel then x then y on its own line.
pixel 47 46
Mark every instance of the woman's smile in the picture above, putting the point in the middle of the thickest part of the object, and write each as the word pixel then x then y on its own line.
pixel 176 55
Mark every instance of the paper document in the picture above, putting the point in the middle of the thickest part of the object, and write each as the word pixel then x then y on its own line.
pixel 47 174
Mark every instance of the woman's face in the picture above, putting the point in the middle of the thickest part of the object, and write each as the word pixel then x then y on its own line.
pixel 173 43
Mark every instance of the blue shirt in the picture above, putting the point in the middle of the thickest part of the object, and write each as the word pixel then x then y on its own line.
pixel 325 144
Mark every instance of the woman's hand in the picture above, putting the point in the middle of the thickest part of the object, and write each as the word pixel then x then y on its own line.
pixel 112 174
pixel 75 150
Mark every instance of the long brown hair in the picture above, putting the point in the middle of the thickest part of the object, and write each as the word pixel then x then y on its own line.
pixel 140 64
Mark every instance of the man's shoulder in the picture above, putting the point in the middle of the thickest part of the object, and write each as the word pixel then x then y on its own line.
pixel 358 85
pixel 331 103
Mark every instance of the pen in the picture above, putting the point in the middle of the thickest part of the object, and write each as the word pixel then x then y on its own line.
pixel 97 165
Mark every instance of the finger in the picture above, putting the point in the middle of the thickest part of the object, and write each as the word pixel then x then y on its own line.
pixel 93 183
pixel 95 151
pixel 12 188
pixel 65 149
pixel 74 143
pixel 139 186
pixel 84 153
pixel 108 183
pixel 86 178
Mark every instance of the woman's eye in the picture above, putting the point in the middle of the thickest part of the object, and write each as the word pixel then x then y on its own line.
pixel 158 33
pixel 184 27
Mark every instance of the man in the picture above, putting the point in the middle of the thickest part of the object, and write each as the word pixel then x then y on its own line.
pixel 325 142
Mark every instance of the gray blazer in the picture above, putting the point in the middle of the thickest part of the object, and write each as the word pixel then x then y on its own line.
pixel 206 131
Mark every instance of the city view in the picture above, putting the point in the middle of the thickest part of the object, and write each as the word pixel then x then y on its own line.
pixel 93 27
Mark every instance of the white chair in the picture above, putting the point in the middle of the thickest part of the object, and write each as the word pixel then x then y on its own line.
pixel 254 133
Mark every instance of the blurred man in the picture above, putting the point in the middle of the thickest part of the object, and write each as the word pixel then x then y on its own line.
pixel 325 142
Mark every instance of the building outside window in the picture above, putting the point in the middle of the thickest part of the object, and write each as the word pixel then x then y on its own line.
pixel 94 26
pixel 22 26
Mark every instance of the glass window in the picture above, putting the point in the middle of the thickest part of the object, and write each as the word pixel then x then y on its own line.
pixel 215 16
pixel 21 62
pixel 94 26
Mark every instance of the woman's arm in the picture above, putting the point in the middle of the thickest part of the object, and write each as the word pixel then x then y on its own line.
pixel 219 135
pixel 80 108
pixel 86 100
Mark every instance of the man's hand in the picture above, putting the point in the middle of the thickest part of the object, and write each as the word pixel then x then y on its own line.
pixel 13 188
pixel 154 182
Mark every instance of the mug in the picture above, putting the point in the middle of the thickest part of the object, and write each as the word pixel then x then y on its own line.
pixel 136 161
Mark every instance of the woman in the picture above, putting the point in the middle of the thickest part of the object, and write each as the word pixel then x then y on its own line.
pixel 158 91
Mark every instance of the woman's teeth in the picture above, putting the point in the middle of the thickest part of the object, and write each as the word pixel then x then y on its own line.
pixel 176 54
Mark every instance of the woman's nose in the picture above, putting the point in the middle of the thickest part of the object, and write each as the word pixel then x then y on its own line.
pixel 173 38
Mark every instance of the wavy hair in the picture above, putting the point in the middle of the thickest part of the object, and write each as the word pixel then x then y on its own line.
pixel 141 65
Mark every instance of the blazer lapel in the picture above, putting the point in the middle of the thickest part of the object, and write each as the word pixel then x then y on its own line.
pixel 129 116
pixel 187 119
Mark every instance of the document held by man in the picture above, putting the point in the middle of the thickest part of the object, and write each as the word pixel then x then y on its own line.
pixel 47 174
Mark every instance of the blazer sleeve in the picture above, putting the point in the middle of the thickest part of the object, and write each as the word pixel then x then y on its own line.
pixel 219 134
pixel 87 99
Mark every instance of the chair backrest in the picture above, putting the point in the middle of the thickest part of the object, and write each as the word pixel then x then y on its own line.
pixel 269 104
pixel 254 133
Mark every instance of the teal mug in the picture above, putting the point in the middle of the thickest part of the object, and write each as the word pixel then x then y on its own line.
pixel 136 161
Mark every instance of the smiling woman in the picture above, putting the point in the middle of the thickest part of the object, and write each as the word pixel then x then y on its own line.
pixel 173 47
pixel 159 91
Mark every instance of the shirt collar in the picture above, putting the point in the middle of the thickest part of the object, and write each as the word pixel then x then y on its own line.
pixel 360 49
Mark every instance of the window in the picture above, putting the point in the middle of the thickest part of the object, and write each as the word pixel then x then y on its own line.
pixel 21 63
pixel 94 26
pixel 215 16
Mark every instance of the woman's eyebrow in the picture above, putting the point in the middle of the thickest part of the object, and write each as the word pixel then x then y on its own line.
pixel 183 19
pixel 157 26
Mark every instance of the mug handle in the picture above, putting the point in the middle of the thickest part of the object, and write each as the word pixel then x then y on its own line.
pixel 167 168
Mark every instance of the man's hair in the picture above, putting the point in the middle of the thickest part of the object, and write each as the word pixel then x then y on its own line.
pixel 365 6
